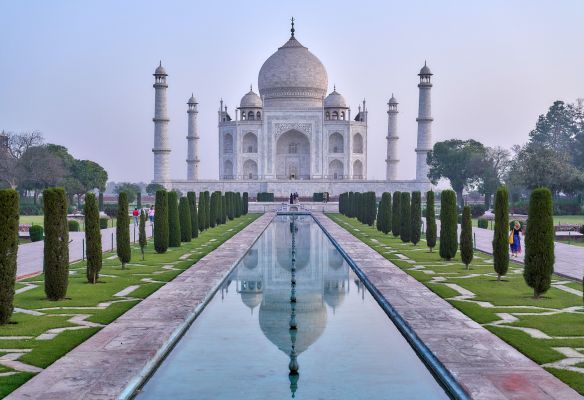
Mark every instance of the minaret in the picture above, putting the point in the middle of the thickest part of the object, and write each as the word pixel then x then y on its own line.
pixel 391 161
pixel 192 141
pixel 424 144
pixel 161 148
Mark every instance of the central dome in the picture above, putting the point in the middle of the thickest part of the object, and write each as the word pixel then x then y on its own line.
pixel 293 76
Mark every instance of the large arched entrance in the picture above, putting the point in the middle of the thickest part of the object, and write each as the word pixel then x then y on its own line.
pixel 293 156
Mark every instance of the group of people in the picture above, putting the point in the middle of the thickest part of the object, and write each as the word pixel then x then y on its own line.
pixel 294 198
pixel 136 215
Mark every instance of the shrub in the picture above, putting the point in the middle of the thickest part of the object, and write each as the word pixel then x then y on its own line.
pixel 56 249
pixel 173 220
pixel 185 220
pixel 73 225
pixel 9 215
pixel 36 233
pixel 245 203
pixel 466 245
pixel 539 242
pixel 384 213
pixel 92 238
pixel 265 197
pixel 405 228
pixel 161 222
pixel 103 222
pixel 416 217
pixel 142 240
pixel 501 233
pixel 318 197
pixel 483 223
pixel 448 225
pixel 396 214
pixel 430 221
pixel 477 210
pixel 192 197
pixel 123 230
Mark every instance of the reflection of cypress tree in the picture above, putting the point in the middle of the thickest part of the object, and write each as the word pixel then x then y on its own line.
pixel 123 230
pixel 416 217
pixel 406 220
pixel 92 238
pixel 173 220
pixel 185 220
pixel 8 251
pixel 396 214
pixel 192 197
pixel 431 228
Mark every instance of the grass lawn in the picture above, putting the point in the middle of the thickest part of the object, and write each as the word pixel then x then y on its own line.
pixel 94 306
pixel 559 314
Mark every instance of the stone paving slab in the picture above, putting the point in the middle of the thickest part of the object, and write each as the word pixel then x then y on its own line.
pixel 104 365
pixel 486 366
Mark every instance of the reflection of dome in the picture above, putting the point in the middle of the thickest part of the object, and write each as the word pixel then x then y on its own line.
pixel 251 259
pixel 335 258
pixel 311 317
pixel 334 293
pixel 251 100
pixel 252 300
pixel 335 100
pixel 251 293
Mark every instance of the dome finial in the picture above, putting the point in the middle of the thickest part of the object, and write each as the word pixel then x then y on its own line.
pixel 292 29
pixel 250 87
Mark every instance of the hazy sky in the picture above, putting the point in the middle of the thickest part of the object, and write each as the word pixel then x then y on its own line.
pixel 81 71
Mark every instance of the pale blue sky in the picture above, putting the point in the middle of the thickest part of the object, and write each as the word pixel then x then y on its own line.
pixel 81 71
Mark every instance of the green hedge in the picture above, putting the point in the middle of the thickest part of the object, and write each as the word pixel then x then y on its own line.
pixel 73 225
pixel 36 233
pixel 265 196
pixel 483 223
pixel 103 223
pixel 8 251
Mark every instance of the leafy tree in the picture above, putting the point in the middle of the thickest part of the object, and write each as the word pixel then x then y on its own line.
pixel 500 235
pixel 56 249
pixel 405 229
pixel 85 175
pixel 129 188
pixel 496 164
pixel 557 129
pixel 39 168
pixel 466 245
pixel 245 203
pixel 539 242
pixel 92 238
pixel 459 161
pixel 142 240
pixel 8 251
pixel 416 217
pixel 396 214
pixel 173 220
pixel 123 230
pixel 185 220
pixel 384 213
pixel 192 196
pixel 161 231
pixel 16 145
pixel 152 188
pixel 448 225
pixel 430 220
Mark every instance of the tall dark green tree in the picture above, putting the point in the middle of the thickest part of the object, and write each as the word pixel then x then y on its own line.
pixel 230 205
pixel 431 228
pixel 384 214
pixel 501 234
pixel 372 209
pixel 539 242
pixel 173 220
pixel 213 210
pixel 448 225
pixel 161 232
pixel 56 249
pixel 92 238
pixel 192 197
pixel 239 207
pixel 142 240
pixel 416 217
pixel 396 214
pixel 245 203
pixel 466 245
pixel 207 210
pixel 201 211
pixel 405 229
pixel 185 220
pixel 223 208
pixel 351 205
pixel 8 251
pixel 123 230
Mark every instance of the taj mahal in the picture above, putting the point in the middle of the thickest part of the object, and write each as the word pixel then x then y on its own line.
pixel 292 136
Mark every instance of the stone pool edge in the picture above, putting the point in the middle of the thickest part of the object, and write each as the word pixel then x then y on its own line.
pixel 116 361
pixel 484 365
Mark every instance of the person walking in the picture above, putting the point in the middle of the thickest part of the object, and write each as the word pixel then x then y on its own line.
pixel 136 215
pixel 515 239
pixel 151 215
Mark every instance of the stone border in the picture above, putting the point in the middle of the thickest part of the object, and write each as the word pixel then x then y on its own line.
pixel 117 359
pixel 484 365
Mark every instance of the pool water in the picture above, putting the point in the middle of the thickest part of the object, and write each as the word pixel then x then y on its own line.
pixel 242 345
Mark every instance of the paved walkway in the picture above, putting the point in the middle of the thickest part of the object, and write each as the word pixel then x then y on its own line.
pixel 123 352
pixel 30 255
pixel 486 366
pixel 569 259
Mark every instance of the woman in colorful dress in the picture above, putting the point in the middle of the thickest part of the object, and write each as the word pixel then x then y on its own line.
pixel 515 235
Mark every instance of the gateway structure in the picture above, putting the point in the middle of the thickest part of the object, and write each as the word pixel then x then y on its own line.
pixel 292 136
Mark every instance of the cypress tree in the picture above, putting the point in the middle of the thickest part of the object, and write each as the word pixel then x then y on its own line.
pixel 123 230
pixel 9 216
pixel 350 205
pixel 230 208
pixel 539 242
pixel 56 250
pixel 384 214
pixel 139 200
pixel 224 208
pixel 396 214
pixel 100 201
pixel 92 238
pixel 405 229
pixel 219 208
pixel 416 215
pixel 245 203
pixel 201 211
pixel 238 205
pixel 192 197
pixel 500 235
pixel 142 240
pixel 161 232
pixel 185 220
pixel 358 206
pixel 466 247
pixel 173 220
pixel 431 228
pixel 448 225
pixel 213 210
pixel 207 209
pixel 372 208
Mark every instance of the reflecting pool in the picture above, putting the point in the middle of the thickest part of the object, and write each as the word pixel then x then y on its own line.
pixel 292 321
